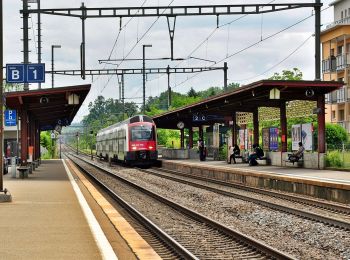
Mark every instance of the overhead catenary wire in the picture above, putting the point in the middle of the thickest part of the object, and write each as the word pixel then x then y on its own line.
pixel 252 45
pixel 137 42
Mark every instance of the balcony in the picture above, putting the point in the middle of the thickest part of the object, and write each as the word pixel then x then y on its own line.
pixel 345 21
pixel 329 65
pixel 342 61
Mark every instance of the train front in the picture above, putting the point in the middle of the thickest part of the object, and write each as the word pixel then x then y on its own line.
pixel 142 143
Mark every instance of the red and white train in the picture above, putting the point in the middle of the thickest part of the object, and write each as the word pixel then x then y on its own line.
pixel 132 141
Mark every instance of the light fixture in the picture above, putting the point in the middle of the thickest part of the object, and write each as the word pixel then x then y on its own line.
pixel 275 93
pixel 226 101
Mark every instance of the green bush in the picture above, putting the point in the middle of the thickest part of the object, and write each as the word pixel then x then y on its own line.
pixel 333 159
pixel 223 153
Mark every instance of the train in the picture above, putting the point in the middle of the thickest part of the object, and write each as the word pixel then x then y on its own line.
pixel 132 141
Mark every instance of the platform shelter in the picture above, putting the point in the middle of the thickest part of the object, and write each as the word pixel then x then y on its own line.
pixel 44 109
pixel 224 108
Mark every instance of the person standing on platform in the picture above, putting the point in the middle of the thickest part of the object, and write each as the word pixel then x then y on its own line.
pixel 234 151
pixel 201 150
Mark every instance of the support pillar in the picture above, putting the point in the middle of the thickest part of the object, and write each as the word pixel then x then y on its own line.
pixel 256 126
pixel 283 119
pixel 234 129
pixel 24 137
pixel 190 137
pixel 321 124
pixel 182 138
pixel 201 132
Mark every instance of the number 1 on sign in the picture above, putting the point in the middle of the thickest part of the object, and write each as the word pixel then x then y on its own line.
pixel 35 72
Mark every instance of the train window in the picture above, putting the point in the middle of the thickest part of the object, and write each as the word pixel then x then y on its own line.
pixel 147 119
pixel 141 133
pixel 134 119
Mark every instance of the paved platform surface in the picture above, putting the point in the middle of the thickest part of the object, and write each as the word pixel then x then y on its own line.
pixel 44 219
pixel 313 174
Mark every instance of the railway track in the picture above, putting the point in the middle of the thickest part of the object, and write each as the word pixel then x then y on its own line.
pixel 189 234
pixel 339 215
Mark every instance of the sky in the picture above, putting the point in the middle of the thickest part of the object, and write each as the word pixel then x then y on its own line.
pixel 279 41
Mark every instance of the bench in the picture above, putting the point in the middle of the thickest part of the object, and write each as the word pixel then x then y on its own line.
pixel 262 160
pixel 299 161
pixel 240 158
pixel 23 171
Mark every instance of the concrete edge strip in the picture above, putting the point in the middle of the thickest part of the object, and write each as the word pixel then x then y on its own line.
pixel 273 174
pixel 103 244
pixel 137 244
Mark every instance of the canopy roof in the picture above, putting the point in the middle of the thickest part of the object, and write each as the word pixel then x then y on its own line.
pixel 247 98
pixel 50 107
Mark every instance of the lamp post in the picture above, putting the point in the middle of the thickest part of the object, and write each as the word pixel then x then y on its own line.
pixel 144 76
pixel 53 62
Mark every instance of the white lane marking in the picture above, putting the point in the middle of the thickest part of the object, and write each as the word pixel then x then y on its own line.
pixel 100 238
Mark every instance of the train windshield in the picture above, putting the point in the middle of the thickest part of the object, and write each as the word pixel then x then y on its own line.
pixel 141 133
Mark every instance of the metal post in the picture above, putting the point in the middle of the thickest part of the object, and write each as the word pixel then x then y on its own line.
pixel 171 28
pixel 144 76
pixel 283 118
pixel 53 63
pixel 123 98
pixel 225 76
pixel 256 126
pixel 77 135
pixel 60 147
pixel 1 98
pixel 91 133
pixel 321 124
pixel 82 46
pixel 39 36
pixel 169 88
pixel 25 37
pixel 318 41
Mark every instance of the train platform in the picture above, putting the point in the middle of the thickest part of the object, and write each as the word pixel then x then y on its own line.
pixel 49 218
pixel 325 184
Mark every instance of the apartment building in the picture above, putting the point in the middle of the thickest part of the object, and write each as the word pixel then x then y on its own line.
pixel 335 40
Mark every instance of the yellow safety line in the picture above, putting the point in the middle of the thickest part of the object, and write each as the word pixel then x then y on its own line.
pixel 137 244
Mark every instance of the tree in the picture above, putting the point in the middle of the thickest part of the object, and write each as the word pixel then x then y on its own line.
pixel 294 74
pixel 192 93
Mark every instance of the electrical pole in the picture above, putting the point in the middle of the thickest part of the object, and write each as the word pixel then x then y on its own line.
pixel 318 40
pixel 39 36
pixel 25 37
pixel 144 76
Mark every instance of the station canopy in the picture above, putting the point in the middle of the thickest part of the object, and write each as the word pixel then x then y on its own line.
pixel 248 98
pixel 49 106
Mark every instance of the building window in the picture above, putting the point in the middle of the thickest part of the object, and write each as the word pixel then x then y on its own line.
pixel 341 115
pixel 341 15
pixel 333 115
pixel 340 50
pixel 346 13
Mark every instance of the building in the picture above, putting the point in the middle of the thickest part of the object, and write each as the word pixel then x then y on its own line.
pixel 335 40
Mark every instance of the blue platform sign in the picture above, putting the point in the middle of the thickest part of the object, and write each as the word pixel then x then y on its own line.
pixel 25 73
pixel 36 73
pixel 10 118
pixel 15 73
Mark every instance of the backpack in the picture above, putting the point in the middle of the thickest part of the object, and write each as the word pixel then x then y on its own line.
pixel 259 152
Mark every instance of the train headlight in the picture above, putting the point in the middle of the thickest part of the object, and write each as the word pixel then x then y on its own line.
pixel 134 147
pixel 150 147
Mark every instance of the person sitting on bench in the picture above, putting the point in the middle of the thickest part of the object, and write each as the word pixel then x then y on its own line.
pixel 294 157
pixel 258 153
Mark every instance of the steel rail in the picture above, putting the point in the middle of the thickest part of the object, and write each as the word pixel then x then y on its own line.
pixel 302 200
pixel 247 240
pixel 298 212
pixel 136 214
